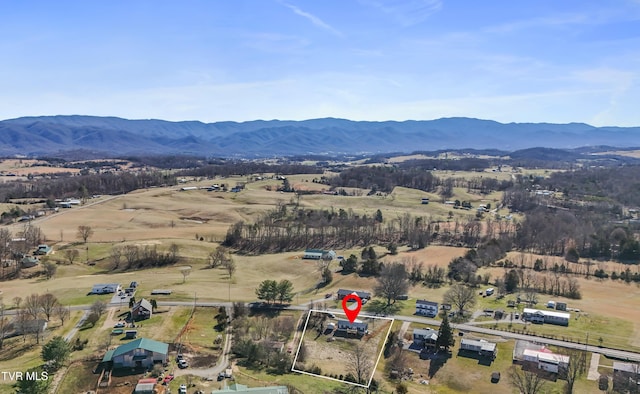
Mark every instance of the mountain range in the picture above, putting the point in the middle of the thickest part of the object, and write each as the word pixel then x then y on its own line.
pixel 53 135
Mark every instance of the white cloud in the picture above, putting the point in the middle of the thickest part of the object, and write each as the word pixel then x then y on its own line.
pixel 407 12
pixel 312 18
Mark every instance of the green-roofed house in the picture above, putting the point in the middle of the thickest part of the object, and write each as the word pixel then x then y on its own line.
pixel 240 388
pixel 141 353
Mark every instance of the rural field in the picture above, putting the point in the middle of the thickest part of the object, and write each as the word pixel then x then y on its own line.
pixel 329 352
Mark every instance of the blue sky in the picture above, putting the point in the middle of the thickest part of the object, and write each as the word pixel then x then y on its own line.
pixel 511 61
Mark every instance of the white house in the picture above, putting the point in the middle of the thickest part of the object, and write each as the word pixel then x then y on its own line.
pixel 545 316
pixel 482 347
pixel 105 288
pixel 426 308
pixel 546 360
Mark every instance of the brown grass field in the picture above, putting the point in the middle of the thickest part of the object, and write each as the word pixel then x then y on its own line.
pixel 162 216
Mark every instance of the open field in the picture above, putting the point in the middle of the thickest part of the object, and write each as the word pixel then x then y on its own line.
pixel 336 352
pixel 166 212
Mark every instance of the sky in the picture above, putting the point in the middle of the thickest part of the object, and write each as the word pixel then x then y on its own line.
pixel 219 60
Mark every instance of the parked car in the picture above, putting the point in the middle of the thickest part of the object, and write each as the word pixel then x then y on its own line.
pixel 133 284
pixel 119 324
pixel 331 315
pixel 167 379
pixel 179 357
pixel 183 363
pixel 182 389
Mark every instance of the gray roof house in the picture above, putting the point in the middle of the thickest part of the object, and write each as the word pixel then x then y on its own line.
pixel 425 337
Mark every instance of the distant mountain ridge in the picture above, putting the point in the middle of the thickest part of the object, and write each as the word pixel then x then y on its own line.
pixel 42 135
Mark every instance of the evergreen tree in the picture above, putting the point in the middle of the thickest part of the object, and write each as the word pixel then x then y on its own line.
pixel 349 265
pixel 379 216
pixel 56 351
pixel 445 335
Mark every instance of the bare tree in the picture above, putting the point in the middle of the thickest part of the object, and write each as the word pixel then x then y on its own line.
pixel 174 249
pixel 576 368
pixel 5 248
pixel 33 310
pixel 218 257
pixel 99 307
pixel 185 271
pixel 530 296
pixel 230 266
pixel 62 312
pixel 84 233
pixel 17 301
pixel 4 324
pixel 71 255
pixel 48 303
pixel 392 282
pixel 131 253
pixel 361 364
pixel 526 382
pixel 50 269
pixel 116 256
pixel 461 296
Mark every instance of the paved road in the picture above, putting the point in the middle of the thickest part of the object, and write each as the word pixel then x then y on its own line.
pixel 614 353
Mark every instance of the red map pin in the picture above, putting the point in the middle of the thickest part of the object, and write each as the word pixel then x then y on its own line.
pixel 352 314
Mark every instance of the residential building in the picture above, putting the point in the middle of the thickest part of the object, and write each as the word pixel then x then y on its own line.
pixel 141 353
pixel 544 316
pixel 539 356
pixel 482 347
pixel 357 327
pixel 317 254
pixel 362 294
pixel 425 337
pixel 141 310
pixel 626 377
pixel 545 360
pixel 426 308
pixel 104 288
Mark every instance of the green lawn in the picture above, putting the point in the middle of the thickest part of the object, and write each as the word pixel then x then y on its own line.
pixel 615 332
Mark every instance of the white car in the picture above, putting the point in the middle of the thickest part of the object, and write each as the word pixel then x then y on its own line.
pixel 183 363
pixel 182 389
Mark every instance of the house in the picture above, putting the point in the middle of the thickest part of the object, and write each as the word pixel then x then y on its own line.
pixel 358 327
pixel 482 347
pixel 21 327
pixel 318 254
pixel 545 360
pixel 425 201
pixel 240 388
pixel 43 250
pixel 141 310
pixel 141 353
pixel 29 261
pixel 550 317
pixel 538 356
pixel 489 291
pixel 626 377
pixel 105 288
pixel 426 308
pixel 362 294
pixel 425 337
pixel 130 334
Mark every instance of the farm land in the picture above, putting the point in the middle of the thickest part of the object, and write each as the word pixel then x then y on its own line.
pixel 196 221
